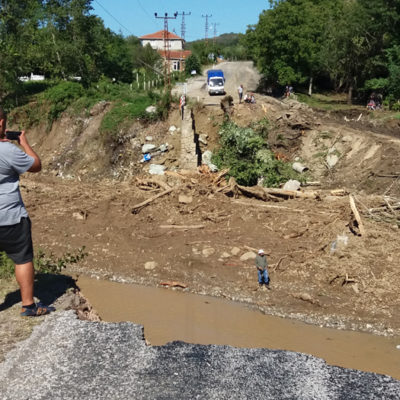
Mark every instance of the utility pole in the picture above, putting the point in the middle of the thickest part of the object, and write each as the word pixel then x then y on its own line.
pixel 167 66
pixel 183 25
pixel 215 30
pixel 206 27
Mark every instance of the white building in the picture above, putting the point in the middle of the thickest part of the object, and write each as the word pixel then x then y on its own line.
pixel 162 40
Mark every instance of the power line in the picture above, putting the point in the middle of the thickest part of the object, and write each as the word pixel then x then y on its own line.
pixel 119 23
pixel 115 19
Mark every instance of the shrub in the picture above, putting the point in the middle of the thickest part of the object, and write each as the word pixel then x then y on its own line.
pixel 246 154
pixel 61 96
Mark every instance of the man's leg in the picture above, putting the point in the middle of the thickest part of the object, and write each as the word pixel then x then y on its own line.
pixel 266 277
pixel 25 275
pixel 259 277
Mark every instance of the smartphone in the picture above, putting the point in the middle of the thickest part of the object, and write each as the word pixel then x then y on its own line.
pixel 13 135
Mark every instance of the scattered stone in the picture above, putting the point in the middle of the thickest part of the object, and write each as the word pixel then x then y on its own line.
pixel 163 148
pixel 206 159
pixel 151 109
pixel 208 251
pixel 195 251
pixel 149 138
pixel 225 255
pixel 203 139
pixel 185 199
pixel 332 160
pixel 235 251
pixel 250 255
pixel 156 169
pixel 80 215
pixel 147 148
pixel 172 128
pixel 292 184
pixel 150 265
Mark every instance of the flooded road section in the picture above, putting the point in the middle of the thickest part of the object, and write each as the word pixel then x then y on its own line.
pixel 171 315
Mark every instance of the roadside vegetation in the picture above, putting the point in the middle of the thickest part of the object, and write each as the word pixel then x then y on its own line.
pixel 341 46
pixel 44 263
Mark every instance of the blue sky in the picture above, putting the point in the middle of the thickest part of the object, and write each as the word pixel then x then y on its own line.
pixel 137 16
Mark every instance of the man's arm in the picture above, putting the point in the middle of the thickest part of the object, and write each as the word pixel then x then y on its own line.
pixel 37 164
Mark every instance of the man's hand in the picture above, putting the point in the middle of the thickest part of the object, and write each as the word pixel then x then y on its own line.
pixel 23 141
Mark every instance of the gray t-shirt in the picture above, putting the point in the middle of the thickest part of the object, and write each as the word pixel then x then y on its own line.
pixel 13 163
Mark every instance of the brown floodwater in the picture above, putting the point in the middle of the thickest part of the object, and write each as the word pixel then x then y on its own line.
pixel 169 315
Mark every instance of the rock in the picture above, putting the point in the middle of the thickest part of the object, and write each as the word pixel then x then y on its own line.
pixel 98 108
pixel 151 109
pixel 250 255
pixel 147 148
pixel 208 251
pixel 163 148
pixel 203 138
pixel 156 169
pixel 235 251
pixel 172 128
pixel 195 251
pixel 185 199
pixel 150 265
pixel 292 184
pixel 332 160
pixel 149 138
pixel 81 215
pixel 206 159
pixel 225 255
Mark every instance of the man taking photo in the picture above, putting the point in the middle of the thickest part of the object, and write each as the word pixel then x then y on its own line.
pixel 15 225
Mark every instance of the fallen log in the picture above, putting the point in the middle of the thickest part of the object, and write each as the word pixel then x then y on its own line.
pixel 292 193
pixel 152 182
pixel 136 209
pixel 182 226
pixel 356 215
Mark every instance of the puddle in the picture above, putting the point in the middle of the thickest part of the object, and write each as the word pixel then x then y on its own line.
pixel 169 315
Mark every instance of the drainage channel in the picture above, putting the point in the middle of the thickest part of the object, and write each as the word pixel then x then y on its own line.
pixel 169 315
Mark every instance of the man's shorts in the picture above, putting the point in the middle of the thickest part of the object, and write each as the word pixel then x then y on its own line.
pixel 16 241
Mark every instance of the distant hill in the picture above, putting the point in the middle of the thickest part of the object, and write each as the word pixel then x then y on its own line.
pixel 224 40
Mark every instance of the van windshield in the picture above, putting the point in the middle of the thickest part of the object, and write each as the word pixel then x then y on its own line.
pixel 216 82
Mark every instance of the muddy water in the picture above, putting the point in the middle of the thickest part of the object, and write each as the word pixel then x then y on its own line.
pixel 170 315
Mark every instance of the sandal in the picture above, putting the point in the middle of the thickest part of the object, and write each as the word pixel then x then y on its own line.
pixel 38 310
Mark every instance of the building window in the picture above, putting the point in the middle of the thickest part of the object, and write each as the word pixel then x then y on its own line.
pixel 176 66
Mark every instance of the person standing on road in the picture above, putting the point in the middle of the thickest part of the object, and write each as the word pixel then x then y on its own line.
pixel 240 93
pixel 15 225
pixel 261 265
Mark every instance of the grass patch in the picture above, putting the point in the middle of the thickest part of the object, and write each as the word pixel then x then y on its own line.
pixel 44 264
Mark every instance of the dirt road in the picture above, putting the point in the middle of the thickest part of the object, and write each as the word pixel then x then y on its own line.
pixel 236 73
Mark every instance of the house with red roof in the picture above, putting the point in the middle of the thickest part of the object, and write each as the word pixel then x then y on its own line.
pixel 170 46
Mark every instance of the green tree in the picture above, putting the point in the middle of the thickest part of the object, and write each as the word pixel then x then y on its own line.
pixel 192 64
